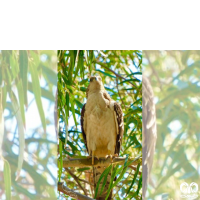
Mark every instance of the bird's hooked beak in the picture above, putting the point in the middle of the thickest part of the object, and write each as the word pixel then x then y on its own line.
pixel 96 82
pixel 93 78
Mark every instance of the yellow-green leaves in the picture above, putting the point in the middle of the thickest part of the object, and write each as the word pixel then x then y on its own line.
pixel 60 162
pixel 81 64
pixel 21 100
pixel 1 119
pixel 7 179
pixel 134 179
pixel 21 133
pixel 73 109
pixel 103 175
pixel 23 65
pixel 14 64
pixel 37 93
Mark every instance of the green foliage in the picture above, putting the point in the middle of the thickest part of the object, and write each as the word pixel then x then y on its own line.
pixel 103 175
pixel 27 87
pixel 121 75
pixel 174 76
pixel 7 179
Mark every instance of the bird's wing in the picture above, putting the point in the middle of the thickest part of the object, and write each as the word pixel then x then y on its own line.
pixel 149 131
pixel 82 126
pixel 119 122
pixel 120 126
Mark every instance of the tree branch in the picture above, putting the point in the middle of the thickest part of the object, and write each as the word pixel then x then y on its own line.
pixel 82 162
pixel 86 182
pixel 71 193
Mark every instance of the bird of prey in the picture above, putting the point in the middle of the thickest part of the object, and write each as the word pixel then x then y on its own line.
pixel 149 132
pixel 102 123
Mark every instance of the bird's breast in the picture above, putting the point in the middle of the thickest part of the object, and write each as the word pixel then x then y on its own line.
pixel 96 105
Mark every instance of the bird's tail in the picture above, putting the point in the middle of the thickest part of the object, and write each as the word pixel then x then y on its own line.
pixel 97 171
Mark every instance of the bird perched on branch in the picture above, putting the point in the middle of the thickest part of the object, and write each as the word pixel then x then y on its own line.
pixel 149 132
pixel 102 125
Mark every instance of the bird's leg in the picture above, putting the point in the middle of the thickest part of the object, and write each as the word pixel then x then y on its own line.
pixel 116 155
pixel 110 155
pixel 92 151
pixel 92 157
pixel 111 148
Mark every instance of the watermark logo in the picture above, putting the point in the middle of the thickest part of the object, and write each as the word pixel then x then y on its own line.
pixel 189 191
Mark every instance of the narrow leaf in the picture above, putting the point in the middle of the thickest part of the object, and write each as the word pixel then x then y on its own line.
pixel 106 74
pixel 104 181
pixel 101 177
pixel 78 103
pixel 67 104
pixel 135 176
pixel 77 66
pixel 120 176
pixel 81 63
pixel 83 169
pixel 23 66
pixel 73 110
pixel 14 67
pixel 61 160
pixel 83 81
pixel 114 173
pixel 1 119
pixel 20 126
pixel 37 93
pixel 21 100
pixel 86 57
pixel 7 179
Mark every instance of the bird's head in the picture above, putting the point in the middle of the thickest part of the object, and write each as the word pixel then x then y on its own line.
pixel 96 83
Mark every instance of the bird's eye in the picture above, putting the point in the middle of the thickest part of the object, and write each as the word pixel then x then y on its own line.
pixel 90 79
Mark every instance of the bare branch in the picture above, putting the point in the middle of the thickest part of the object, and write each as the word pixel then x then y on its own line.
pixel 71 193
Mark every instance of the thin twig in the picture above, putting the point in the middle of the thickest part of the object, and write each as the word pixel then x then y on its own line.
pixel 86 182
pixel 62 188
pixel 77 180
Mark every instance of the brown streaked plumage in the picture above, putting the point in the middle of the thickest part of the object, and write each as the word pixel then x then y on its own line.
pixel 102 124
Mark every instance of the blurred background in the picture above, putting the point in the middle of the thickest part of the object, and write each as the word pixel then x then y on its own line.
pixel 28 83
pixel 121 76
pixel 175 78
